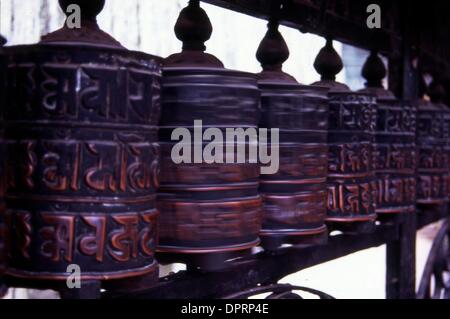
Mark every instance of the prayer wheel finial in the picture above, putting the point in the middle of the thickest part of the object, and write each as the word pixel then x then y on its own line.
pixel 90 9
pixel 87 32
pixel 374 70
pixel 272 53
pixel 193 28
pixel 273 50
pixel 328 63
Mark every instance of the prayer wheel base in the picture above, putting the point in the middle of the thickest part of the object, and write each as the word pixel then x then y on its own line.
pixel 204 261
pixel 390 218
pixel 352 226
pixel 90 287
pixel 273 240
pixel 394 216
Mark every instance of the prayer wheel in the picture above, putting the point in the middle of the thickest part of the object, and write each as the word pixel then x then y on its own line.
pixel 83 156
pixel 294 198
pixel 437 95
pixel 432 142
pixel 395 156
pixel 351 134
pixel 208 199
pixel 3 230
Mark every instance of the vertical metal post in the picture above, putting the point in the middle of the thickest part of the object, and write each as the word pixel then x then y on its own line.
pixel 401 253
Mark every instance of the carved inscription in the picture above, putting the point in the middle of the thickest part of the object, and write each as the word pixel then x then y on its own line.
pixel 395 157
pixel 350 199
pixel 352 112
pixel 391 190
pixel 83 94
pixel 63 238
pixel 433 159
pixel 59 166
pixel 350 158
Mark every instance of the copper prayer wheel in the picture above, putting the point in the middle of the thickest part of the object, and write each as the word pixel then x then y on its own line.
pixel 395 156
pixel 432 142
pixel 3 232
pixel 210 211
pixel 294 198
pixel 81 131
pixel 437 95
pixel 351 133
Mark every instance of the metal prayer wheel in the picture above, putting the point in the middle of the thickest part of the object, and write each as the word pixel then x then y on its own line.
pixel 81 131
pixel 3 230
pixel 437 95
pixel 395 156
pixel 294 198
pixel 210 210
pixel 432 142
pixel 351 176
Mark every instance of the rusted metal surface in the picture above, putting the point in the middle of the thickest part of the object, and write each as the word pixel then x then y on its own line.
pixel 351 175
pixel 395 151
pixel 208 211
pixel 83 158
pixel 294 199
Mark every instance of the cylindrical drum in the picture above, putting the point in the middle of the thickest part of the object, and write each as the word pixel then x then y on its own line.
pixel 447 149
pixel 351 176
pixel 208 198
pixel 395 157
pixel 3 234
pixel 295 197
pixel 81 131
pixel 436 92
pixel 395 153
pixel 351 136
pixel 432 157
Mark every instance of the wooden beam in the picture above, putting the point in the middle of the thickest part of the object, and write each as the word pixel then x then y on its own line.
pixel 309 18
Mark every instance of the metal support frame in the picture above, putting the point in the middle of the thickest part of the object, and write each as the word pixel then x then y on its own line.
pixel 265 269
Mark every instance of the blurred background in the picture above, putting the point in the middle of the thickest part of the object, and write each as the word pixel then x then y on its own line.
pixel 147 25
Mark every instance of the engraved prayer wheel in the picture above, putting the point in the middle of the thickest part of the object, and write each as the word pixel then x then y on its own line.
pixel 3 230
pixel 395 157
pixel 351 133
pixel 432 143
pixel 81 131
pixel 294 198
pixel 210 207
pixel 441 99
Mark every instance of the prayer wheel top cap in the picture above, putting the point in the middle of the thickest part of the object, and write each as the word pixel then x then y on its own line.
pixel 374 71
pixel 328 64
pixel 88 32
pixel 272 53
pixel 193 28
